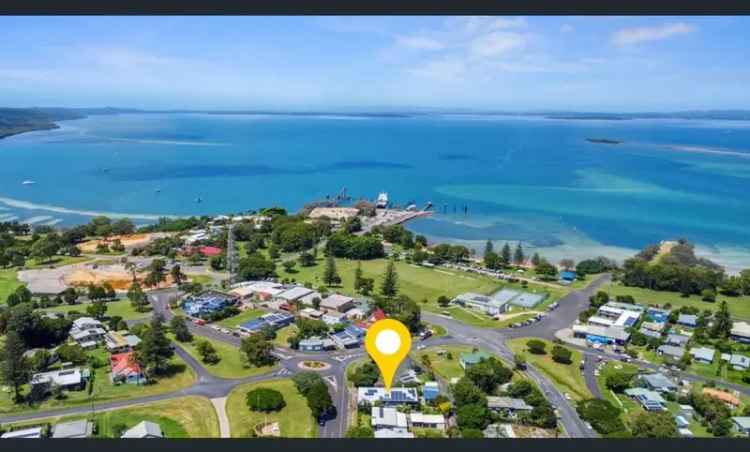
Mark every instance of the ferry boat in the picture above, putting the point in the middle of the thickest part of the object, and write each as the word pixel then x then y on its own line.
pixel 382 201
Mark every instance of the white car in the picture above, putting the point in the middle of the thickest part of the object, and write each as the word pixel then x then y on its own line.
pixel 566 395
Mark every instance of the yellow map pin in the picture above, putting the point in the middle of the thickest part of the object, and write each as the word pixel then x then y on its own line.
pixel 388 342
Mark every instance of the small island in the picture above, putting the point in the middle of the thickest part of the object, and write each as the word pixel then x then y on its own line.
pixel 603 141
pixel 14 121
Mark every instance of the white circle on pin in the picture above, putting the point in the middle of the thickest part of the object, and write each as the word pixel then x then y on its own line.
pixel 388 342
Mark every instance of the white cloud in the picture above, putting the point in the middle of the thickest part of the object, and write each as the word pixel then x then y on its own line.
pixel 496 43
pixel 482 24
pixel 630 36
pixel 420 42
pixel 446 69
pixel 566 28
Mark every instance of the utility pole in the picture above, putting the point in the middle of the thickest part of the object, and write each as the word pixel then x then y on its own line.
pixel 230 251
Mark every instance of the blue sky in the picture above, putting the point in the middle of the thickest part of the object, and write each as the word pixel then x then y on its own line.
pixel 516 63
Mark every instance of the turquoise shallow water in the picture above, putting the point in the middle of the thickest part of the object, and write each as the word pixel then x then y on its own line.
pixel 529 179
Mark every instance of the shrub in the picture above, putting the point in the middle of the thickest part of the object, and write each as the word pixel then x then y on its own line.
pixel 602 415
pixel 265 399
pixel 536 347
pixel 562 355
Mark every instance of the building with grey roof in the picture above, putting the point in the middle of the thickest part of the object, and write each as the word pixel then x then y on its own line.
pixel 144 429
pixel 739 362
pixel 742 423
pixel 703 355
pixel 650 400
pixel 740 332
pixel 26 433
pixel 488 305
pixel 658 382
pixel 687 320
pixel 671 351
pixel 677 340
pixel 73 429
pixel 508 406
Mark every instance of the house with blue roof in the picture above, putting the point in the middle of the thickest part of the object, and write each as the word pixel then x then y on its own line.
pixel 568 275
pixel 274 320
pixel 430 390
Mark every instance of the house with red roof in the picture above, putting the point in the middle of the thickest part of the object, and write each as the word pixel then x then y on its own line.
pixel 125 369
pixel 210 251
pixel 376 315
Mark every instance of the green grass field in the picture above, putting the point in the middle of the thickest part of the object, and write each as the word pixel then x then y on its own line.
pixel 242 317
pixel 201 279
pixel 56 261
pixel 295 419
pixel 739 307
pixel 180 376
pixel 566 377
pixel 184 417
pixel 230 366
pixel 120 308
pixel 444 366
pixel 8 283
pixel 419 283
pixel 283 334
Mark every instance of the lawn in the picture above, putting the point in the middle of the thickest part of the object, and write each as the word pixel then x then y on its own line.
pixel 295 419
pixel 283 334
pixel 8 283
pixel 121 308
pixel 738 306
pixel 566 377
pixel 419 283
pixel 478 319
pixel 446 365
pixel 200 279
pixel 56 261
pixel 230 365
pixel 242 317
pixel 179 377
pixel 185 417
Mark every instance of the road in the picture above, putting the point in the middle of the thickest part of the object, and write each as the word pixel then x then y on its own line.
pixel 494 340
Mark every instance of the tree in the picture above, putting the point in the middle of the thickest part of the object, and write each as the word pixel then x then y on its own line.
pixel 708 295
pixel 207 352
pixel 306 259
pixel 330 275
pixel 722 323
pixel 536 347
pixel 365 375
pixel 602 415
pixel 443 301
pixel 505 255
pixel 389 287
pixel 265 400
pixel 177 276
pixel 156 273
pixel 319 399
pixel 69 296
pixel 561 355
pixel 109 291
pixel 366 286
pixel 256 351
pixel 289 266
pixel 619 381
pixel 518 256
pixel 97 309
pixel 473 416
pixel 305 380
pixel 488 248
pixel 154 352
pixel 14 368
pixel 535 259
pixel 654 424
pixel 546 270
pixel 465 392
pixel 273 251
pixel 180 329
pixel 45 247
pixel 358 277
pixel 519 360
pixel 491 260
pixel 137 297
pixel 488 374
pixel 254 267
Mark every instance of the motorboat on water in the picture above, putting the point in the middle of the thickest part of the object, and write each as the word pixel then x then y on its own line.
pixel 382 201
pixel 28 182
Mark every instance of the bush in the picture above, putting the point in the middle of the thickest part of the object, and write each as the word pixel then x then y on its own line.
pixel 536 347
pixel 619 382
pixel 265 400
pixel 602 415
pixel 561 355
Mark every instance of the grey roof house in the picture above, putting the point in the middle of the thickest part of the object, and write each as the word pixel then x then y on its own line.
pixel 73 429
pixel 144 429
pixel 658 382
pixel 703 354
pixel 671 351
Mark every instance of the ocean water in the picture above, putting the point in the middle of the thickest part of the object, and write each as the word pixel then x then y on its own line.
pixel 532 180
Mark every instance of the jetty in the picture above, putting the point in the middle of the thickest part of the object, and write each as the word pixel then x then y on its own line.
pixel 389 217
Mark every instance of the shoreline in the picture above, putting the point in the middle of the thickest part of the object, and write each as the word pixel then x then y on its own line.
pixel 51 126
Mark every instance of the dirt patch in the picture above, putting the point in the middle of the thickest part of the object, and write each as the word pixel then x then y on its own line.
pixel 118 278
pixel 128 241
pixel 527 431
